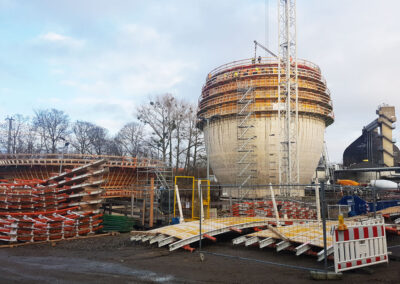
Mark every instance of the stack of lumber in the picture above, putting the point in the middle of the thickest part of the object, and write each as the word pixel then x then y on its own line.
pixel 114 223
pixel 66 205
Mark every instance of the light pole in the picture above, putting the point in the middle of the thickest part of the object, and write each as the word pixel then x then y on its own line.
pixel 10 120
pixel 217 116
pixel 208 149
pixel 208 145
pixel 62 154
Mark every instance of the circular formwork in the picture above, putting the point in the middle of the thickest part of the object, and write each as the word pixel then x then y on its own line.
pixel 218 104
pixel 125 173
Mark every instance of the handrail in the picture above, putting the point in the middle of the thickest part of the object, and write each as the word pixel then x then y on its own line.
pixel 111 160
pixel 264 60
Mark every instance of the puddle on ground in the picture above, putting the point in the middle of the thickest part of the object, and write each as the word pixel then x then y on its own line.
pixel 79 265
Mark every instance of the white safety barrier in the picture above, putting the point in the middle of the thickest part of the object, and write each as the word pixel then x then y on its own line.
pixel 359 245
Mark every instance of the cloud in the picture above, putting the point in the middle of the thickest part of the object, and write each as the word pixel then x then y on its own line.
pixel 60 40
pixel 104 58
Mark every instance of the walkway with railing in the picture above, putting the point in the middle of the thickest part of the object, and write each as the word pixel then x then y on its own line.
pixel 75 160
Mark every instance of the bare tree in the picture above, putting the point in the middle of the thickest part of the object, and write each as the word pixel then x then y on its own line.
pixel 31 140
pixel 99 140
pixel 20 130
pixel 182 113
pixel 131 138
pixel 172 126
pixel 82 136
pixel 113 147
pixel 3 136
pixel 52 126
pixel 158 115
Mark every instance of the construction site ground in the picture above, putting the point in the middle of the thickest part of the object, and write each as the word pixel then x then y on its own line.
pixel 115 259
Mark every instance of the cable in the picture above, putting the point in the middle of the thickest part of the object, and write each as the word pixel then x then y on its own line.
pixel 266 262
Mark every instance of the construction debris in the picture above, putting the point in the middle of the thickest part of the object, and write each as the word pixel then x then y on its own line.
pixel 290 209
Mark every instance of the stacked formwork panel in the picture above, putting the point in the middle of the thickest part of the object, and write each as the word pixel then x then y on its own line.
pixel 286 209
pixel 66 205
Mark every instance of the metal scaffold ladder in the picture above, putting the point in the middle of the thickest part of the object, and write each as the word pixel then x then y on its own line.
pixel 246 158
pixel 164 177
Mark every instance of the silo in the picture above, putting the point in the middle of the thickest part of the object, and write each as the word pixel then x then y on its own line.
pixel 220 106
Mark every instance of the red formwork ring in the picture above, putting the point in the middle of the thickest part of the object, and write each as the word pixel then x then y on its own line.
pixel 38 213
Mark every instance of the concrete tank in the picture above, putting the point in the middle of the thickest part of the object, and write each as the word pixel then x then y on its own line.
pixel 219 105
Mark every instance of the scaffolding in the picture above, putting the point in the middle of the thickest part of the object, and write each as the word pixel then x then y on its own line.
pixel 246 158
pixel 219 95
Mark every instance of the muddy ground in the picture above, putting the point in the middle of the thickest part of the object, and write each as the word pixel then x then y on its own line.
pixel 114 259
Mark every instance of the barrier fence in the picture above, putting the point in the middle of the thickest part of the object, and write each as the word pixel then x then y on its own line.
pixel 302 219
pixel 318 223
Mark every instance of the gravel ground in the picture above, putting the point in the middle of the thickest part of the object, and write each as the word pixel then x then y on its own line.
pixel 117 259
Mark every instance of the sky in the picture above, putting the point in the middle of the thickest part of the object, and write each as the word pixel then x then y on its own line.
pixel 97 60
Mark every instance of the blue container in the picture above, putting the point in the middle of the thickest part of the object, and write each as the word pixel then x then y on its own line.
pixel 359 206
pixel 175 221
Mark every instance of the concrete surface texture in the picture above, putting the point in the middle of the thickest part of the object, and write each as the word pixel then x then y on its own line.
pixel 224 156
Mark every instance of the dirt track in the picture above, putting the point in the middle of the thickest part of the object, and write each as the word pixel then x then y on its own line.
pixel 114 259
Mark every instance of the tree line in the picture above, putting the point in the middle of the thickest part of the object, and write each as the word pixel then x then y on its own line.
pixel 164 128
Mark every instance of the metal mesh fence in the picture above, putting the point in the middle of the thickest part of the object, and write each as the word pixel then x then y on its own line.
pixel 296 218
pixel 263 223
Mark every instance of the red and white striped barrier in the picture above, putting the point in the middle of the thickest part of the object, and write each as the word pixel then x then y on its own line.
pixel 359 245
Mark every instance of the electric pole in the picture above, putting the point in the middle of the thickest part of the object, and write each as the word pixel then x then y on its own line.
pixel 10 120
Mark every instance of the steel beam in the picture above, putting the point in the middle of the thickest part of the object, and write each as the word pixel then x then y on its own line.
pixel 195 238
pixel 239 240
pixel 302 249
pixel 282 245
pixel 251 241
pixel 146 238
pixel 321 253
pixel 157 238
pixel 266 242
pixel 167 241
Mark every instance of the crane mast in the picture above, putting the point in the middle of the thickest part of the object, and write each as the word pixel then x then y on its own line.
pixel 288 112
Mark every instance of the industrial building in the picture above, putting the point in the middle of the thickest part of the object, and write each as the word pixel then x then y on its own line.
pixel 374 154
pixel 375 147
pixel 243 117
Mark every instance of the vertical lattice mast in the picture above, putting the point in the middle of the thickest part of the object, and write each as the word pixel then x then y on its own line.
pixel 288 92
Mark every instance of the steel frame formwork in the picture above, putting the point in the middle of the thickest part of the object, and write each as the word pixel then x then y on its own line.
pixel 63 206
pixel 303 237
pixel 180 235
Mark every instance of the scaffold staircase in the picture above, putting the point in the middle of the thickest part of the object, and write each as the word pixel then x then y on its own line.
pixel 164 176
pixel 246 158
